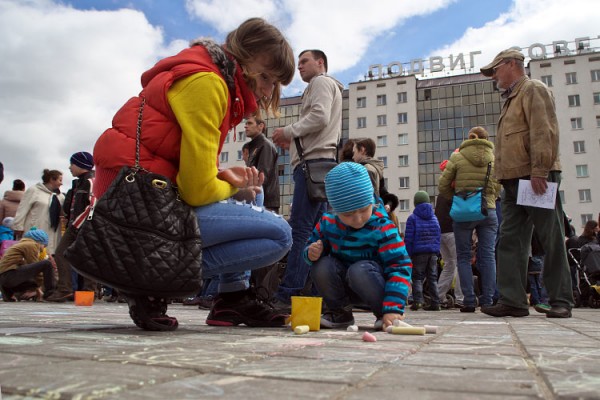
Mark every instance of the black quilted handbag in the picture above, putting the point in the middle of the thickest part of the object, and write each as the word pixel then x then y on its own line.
pixel 140 237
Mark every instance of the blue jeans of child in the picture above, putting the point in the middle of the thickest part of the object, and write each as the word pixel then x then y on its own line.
pixel 237 238
pixel 536 286
pixel 425 266
pixel 358 283
pixel 486 257
pixel 305 215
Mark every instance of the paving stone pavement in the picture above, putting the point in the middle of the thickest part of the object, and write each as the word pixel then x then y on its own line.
pixel 60 351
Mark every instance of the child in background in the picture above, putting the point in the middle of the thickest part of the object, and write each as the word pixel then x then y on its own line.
pixel 20 267
pixel 6 232
pixel 422 238
pixel 356 254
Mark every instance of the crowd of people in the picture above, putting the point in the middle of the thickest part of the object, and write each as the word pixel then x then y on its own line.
pixel 348 250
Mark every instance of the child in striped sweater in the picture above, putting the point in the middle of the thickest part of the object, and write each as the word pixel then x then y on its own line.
pixel 356 254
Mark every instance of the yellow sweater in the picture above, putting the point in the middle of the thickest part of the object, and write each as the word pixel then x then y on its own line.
pixel 25 252
pixel 200 103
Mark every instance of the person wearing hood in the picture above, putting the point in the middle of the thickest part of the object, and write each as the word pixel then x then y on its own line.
pixel 42 207
pixel 11 200
pixel 318 131
pixel 466 171
pixel 422 237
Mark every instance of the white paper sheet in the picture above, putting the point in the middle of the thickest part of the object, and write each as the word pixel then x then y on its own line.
pixel 527 197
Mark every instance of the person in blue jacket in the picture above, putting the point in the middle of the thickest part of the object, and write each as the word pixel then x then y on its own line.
pixel 422 238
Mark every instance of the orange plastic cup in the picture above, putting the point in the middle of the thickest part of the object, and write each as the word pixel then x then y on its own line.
pixel 84 298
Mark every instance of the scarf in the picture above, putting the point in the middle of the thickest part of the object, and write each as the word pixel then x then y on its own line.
pixel 54 211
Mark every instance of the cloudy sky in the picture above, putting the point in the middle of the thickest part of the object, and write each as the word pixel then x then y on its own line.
pixel 67 66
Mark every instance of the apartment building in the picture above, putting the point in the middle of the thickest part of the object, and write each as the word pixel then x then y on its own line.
pixel 418 120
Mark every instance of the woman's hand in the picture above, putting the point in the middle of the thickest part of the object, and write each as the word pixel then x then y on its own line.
pixel 248 180
pixel 242 177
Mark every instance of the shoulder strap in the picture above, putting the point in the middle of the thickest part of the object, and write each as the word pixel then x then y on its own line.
pixel 299 148
pixel 487 175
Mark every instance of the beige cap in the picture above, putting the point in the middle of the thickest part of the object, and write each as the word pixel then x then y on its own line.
pixel 503 55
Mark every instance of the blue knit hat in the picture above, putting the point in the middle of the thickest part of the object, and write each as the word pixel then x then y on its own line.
pixel 83 159
pixel 38 235
pixel 349 187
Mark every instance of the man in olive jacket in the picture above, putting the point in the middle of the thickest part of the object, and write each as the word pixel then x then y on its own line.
pixel 527 148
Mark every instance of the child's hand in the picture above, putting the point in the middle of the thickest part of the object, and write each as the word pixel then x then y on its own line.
pixel 315 250
pixel 388 319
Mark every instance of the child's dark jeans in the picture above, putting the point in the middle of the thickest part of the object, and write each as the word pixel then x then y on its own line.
pixel 425 266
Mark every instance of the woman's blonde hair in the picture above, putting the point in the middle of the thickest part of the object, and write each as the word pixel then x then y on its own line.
pixel 255 38
pixel 478 132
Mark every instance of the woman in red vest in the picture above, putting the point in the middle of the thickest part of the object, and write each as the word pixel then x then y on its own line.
pixel 192 100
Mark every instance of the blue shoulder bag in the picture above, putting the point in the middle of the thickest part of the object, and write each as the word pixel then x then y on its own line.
pixel 471 206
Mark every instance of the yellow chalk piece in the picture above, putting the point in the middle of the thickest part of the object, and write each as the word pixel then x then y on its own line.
pixel 403 330
pixel 430 328
pixel 301 329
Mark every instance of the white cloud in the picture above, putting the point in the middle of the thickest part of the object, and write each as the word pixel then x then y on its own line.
pixel 526 23
pixel 64 73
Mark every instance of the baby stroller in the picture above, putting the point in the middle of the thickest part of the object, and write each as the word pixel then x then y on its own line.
pixel 587 285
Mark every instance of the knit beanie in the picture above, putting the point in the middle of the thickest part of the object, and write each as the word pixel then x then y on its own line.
pixel 349 187
pixel 38 235
pixel 421 197
pixel 83 159
pixel 8 222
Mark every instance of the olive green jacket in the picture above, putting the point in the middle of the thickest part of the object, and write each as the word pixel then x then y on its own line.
pixel 467 169
pixel 527 138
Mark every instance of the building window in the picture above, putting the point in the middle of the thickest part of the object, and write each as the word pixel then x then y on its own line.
pixel 240 155
pixel 547 79
pixel 597 98
pixel 382 141
pixel 597 121
pixel 402 118
pixel 361 102
pixel 227 138
pixel 404 205
pixel 585 218
pixel 402 97
pixel 402 139
pixel 585 195
pixel 576 123
pixel 382 120
pixel 579 146
pixel 403 161
pixel 571 78
pixel 381 99
pixel 383 160
pixel 404 182
pixel 574 100
pixel 582 171
pixel 595 75
pixel 224 157
pixel 361 122
pixel 241 136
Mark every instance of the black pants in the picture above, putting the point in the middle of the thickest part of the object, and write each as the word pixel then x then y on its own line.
pixel 15 278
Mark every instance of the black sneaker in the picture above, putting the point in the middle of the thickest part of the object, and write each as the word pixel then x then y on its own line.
pixel 248 309
pixel 502 310
pixel 338 318
pixel 558 312
pixel 469 309
pixel 432 307
pixel 281 305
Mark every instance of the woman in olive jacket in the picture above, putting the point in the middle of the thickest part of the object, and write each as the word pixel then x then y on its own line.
pixel 466 171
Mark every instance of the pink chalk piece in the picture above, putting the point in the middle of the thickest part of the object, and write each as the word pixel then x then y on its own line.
pixel 367 337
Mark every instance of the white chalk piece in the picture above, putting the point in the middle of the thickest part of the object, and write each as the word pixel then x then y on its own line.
pixel 367 337
pixel 430 328
pixel 399 322
pixel 301 329
pixel 403 330
pixel 352 328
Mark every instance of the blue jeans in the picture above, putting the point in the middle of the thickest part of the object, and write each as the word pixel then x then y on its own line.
pixel 305 215
pixel 534 276
pixel 425 266
pixel 358 283
pixel 237 238
pixel 486 260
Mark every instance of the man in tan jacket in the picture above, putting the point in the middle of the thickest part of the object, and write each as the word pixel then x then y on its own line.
pixel 527 148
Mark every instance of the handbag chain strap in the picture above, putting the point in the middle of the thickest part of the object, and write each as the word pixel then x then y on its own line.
pixel 138 134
